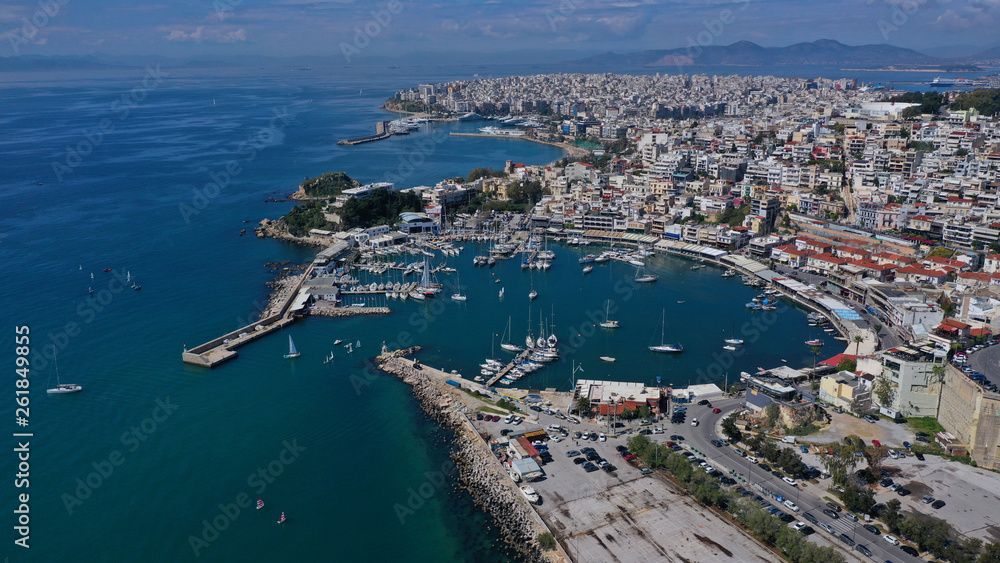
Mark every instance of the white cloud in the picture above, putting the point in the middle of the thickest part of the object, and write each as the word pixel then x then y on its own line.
pixel 203 34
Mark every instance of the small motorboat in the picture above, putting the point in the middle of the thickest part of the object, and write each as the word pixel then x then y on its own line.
pixel 588 269
pixel 106 270
pixel 337 342
pixel 607 359
pixel 260 503
pixel 729 347
pixel 816 342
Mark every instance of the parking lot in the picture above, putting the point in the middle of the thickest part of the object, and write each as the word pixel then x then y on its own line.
pixel 624 515
pixel 969 493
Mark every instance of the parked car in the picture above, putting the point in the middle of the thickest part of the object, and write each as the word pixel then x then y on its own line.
pixel 864 550
pixel 919 456
pixel 891 539
pixel 804 449
pixel 876 443
pixel 810 518
pixel 871 418
pixel 927 499
pixel 790 481
pixel 909 550
pixel 831 513
pixel 872 529
pixel 847 539
pixel 834 506
pixel 937 504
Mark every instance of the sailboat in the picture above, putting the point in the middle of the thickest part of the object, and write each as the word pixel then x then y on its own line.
pixel 457 296
pixel 62 387
pixel 608 323
pixel 641 277
pixel 505 342
pixel 665 347
pixel 734 341
pixel 292 352
pixel 552 340
pixel 529 342
pixel 532 294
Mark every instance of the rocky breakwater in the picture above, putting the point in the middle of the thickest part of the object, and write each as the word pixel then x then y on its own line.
pixel 479 471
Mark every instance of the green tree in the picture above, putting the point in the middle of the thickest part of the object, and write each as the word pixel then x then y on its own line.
pixel 380 207
pixel 990 554
pixel 884 390
pixel 582 405
pixel 892 517
pixel 730 430
pixel 847 364
pixel 858 339
pixel 858 499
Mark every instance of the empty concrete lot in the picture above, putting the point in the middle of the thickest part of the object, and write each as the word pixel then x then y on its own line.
pixel 643 519
pixel 970 493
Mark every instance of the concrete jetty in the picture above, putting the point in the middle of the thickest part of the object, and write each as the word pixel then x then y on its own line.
pixel 223 348
pixel 381 132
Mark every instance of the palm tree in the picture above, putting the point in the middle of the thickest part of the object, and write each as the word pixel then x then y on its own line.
pixel 858 339
pixel 815 350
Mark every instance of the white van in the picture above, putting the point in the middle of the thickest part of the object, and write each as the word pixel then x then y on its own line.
pixel 553 428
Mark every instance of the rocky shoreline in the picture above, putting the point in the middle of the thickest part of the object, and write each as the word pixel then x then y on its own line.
pixel 278 230
pixel 479 472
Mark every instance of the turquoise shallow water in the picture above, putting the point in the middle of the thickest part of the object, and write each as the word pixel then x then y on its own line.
pixel 155 477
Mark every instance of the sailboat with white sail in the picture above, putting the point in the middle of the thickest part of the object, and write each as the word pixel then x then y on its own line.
pixel 457 296
pixel 505 342
pixel 642 277
pixel 292 351
pixel 733 341
pixel 663 347
pixel 608 323
pixel 62 387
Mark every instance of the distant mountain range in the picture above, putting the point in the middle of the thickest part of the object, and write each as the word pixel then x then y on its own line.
pixel 742 53
pixel 745 53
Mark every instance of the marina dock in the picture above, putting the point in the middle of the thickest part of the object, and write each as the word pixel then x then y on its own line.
pixel 506 369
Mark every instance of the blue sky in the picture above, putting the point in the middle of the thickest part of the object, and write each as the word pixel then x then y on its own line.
pixel 323 27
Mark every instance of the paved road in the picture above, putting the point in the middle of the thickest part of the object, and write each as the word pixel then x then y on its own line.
pixel 987 361
pixel 809 497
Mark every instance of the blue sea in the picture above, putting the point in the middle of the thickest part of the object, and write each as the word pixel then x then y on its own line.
pixel 153 175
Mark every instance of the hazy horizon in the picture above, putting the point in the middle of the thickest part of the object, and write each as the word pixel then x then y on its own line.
pixel 548 30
